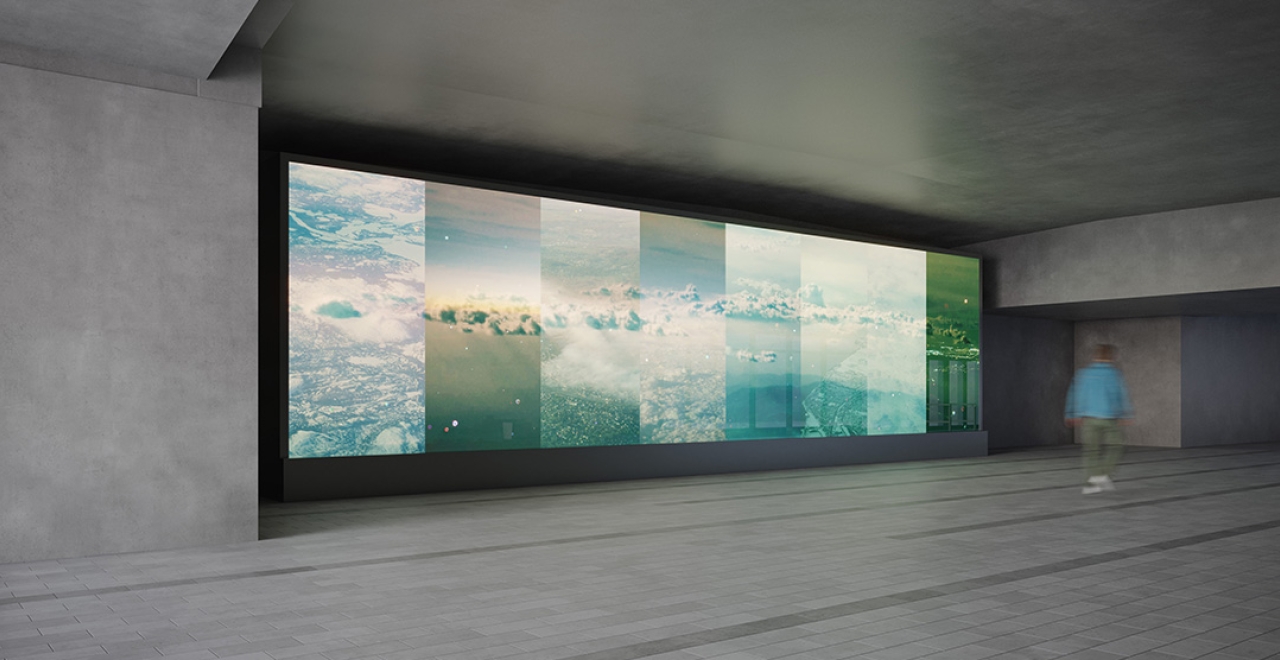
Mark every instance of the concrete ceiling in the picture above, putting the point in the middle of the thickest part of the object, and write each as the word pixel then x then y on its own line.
pixel 943 122
pixel 179 37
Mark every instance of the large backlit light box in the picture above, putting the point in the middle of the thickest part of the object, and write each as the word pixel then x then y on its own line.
pixel 444 336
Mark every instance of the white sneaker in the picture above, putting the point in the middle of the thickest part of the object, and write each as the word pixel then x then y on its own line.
pixel 1104 482
pixel 1091 489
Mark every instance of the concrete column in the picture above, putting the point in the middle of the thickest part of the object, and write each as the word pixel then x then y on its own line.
pixel 128 338
pixel 1230 380
pixel 1026 366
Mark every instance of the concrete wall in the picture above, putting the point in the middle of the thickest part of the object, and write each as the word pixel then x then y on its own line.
pixel 1230 380
pixel 1150 356
pixel 1217 248
pixel 128 339
pixel 1194 380
pixel 1027 365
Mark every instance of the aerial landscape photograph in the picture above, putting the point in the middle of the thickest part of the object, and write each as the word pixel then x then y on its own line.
pixel 482 319
pixel 434 317
pixel 356 378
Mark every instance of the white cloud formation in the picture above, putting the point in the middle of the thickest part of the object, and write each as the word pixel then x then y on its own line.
pixel 760 241
pixel 664 312
pixel 766 301
pixel 606 362
pixel 621 290
pixel 762 356
pixel 377 313
pixel 485 316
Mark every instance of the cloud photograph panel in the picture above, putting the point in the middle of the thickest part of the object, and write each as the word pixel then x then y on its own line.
pixel 428 317
pixel 355 313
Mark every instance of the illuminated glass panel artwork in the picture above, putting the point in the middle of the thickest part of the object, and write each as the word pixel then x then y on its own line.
pixel 682 330
pixel 953 343
pixel 483 319
pixel 591 342
pixel 763 393
pixel 431 317
pixel 356 262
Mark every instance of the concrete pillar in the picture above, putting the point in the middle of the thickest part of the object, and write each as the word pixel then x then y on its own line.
pixel 128 338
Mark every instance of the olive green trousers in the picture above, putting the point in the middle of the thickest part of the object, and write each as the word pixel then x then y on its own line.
pixel 1103 441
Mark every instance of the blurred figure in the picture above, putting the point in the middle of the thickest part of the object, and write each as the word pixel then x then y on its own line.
pixel 1098 404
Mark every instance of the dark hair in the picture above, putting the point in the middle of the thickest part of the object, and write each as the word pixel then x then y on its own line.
pixel 1104 353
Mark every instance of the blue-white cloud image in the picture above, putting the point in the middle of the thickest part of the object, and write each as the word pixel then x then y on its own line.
pixel 833 362
pixel 682 320
pixel 824 336
pixel 355 313
pixel 763 394
pixel 483 319
pixel 896 376
pixel 591 339
pixel 434 317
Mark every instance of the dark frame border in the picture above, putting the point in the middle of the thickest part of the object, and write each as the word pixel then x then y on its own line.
pixel 286 479
pixel 411 474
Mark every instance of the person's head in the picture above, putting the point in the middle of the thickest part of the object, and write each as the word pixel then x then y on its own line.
pixel 1104 353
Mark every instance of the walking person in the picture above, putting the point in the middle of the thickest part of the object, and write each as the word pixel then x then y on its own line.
pixel 1098 404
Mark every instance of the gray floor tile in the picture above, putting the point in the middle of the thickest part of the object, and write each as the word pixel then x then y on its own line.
pixel 996 557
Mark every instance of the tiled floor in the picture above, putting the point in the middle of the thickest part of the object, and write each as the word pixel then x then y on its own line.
pixel 1000 557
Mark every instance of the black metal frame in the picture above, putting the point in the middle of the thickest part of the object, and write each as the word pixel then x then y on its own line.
pixel 288 479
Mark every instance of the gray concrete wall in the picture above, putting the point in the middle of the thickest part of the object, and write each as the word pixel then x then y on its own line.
pixel 128 339
pixel 1217 248
pixel 1230 380
pixel 1150 356
pixel 1027 365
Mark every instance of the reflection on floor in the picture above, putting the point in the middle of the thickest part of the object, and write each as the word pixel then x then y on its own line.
pixel 999 557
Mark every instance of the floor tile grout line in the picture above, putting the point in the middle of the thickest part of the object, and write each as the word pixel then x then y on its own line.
pixel 825 472
pixel 726 633
pixel 549 543
pixel 930 481
pixel 1070 514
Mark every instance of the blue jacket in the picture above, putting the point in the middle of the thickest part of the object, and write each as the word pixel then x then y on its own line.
pixel 1098 391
